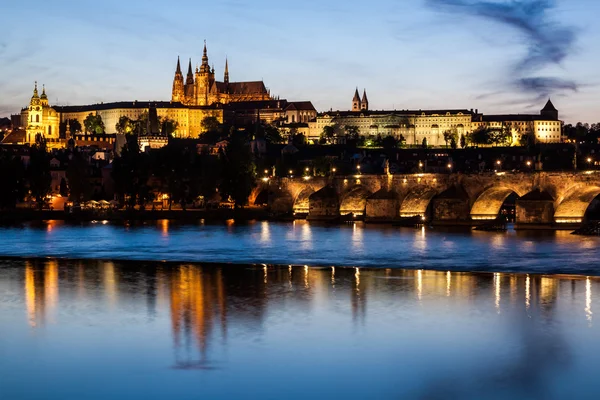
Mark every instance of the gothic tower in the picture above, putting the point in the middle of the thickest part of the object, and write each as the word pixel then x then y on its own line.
pixel 356 101
pixel 226 76
pixel 189 85
pixel 364 103
pixel 203 80
pixel 178 94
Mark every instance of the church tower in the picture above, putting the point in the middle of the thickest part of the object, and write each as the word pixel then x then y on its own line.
pixel 203 80
pixel 44 97
pixel 178 94
pixel 356 101
pixel 226 76
pixel 189 85
pixel 364 103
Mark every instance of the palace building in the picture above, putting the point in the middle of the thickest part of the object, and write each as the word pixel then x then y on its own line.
pixel 202 89
pixel 416 126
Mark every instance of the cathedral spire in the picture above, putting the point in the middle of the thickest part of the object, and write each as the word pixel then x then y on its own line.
pixel 226 77
pixel 178 71
pixel 190 74
pixel 35 91
pixel 205 67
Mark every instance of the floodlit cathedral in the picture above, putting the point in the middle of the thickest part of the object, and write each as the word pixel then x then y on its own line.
pixel 201 88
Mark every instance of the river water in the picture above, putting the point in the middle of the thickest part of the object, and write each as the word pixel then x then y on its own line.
pixel 85 327
pixel 304 243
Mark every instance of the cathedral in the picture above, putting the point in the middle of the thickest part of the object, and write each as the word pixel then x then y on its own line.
pixel 40 119
pixel 201 88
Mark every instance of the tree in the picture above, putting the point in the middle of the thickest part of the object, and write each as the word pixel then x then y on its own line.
pixel 12 180
pixel 74 126
pixel 271 133
pixel 125 126
pixel 463 141
pixel 38 173
pixel 64 188
pixel 239 170
pixel 328 133
pixel 299 140
pixel 94 124
pixel 168 126
pixel 389 142
pixel 209 124
pixel 450 135
pixel 78 176
pixel 130 172
pixel 480 135
pixel 453 143
pixel 424 143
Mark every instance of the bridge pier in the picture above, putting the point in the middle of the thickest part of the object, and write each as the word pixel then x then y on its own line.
pixel 452 207
pixel 535 210
pixel 382 206
pixel 324 205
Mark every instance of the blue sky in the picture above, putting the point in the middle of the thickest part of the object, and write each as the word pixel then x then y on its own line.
pixel 415 54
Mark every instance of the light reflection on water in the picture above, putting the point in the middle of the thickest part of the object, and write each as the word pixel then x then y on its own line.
pixel 158 330
pixel 303 242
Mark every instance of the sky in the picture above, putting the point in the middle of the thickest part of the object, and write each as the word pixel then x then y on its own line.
pixel 497 56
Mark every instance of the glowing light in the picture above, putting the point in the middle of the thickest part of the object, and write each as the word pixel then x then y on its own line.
pixel 498 162
pixel 307 178
pixel 420 284
pixel 529 163
pixel 449 166
pixel 420 165
pixel 265 179
pixel 588 300
pixel 332 276
pixel 334 170
pixel 357 276
pixel 306 276
pixel 30 295
pixel 527 292
pixel 589 159
pixel 448 283
pixel 497 285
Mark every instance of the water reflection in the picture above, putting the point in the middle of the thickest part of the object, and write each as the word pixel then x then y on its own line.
pixel 209 309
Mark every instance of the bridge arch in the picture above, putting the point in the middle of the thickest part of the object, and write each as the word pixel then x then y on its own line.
pixel 302 203
pixel 354 201
pixel 573 207
pixel 488 204
pixel 417 202
pixel 279 201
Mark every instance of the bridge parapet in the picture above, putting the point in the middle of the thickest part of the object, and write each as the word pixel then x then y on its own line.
pixel 433 196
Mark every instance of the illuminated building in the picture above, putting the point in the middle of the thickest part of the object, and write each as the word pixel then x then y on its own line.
pixel 202 89
pixel 415 126
pixel 40 119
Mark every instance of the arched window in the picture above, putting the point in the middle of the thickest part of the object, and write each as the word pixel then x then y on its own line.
pixel 37 118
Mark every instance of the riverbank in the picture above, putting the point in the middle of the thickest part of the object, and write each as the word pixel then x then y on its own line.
pixel 221 214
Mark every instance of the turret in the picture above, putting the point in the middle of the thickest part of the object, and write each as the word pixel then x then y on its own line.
pixel 226 76
pixel 549 111
pixel 364 103
pixel 44 97
pixel 356 101
pixel 178 93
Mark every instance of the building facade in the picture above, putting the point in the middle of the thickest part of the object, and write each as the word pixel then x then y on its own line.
pixel 417 126
pixel 202 89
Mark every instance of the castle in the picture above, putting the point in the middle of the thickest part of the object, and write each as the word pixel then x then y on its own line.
pixel 201 88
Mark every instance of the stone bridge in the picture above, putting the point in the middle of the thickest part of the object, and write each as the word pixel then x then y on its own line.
pixel 543 198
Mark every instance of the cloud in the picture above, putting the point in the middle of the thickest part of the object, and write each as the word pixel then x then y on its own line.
pixel 548 42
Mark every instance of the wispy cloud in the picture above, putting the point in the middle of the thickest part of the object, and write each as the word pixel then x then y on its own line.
pixel 548 42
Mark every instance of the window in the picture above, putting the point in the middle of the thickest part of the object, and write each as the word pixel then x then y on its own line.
pixel 37 118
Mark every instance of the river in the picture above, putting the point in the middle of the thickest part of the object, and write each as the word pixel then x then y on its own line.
pixel 304 243
pixel 83 317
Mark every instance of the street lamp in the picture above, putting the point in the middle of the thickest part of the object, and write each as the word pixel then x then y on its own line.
pixel 358 168
pixel 528 163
